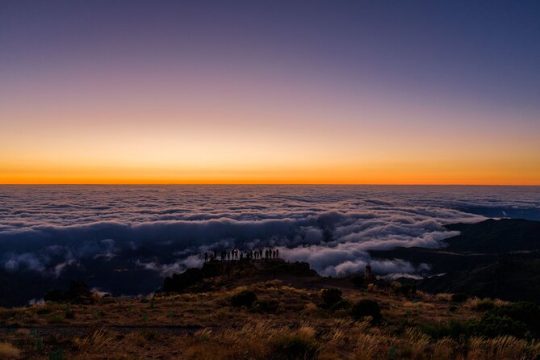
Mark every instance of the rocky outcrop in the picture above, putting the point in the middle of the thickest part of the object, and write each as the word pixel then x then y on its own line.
pixel 228 272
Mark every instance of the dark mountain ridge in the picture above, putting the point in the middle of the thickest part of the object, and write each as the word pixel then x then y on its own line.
pixel 492 258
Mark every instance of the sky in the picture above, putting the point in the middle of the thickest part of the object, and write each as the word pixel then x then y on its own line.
pixel 345 92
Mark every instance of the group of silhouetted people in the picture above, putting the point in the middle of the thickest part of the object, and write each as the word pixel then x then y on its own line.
pixel 236 254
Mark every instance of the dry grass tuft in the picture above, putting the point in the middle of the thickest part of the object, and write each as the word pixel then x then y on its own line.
pixel 443 297
pixel 99 341
pixel 417 343
pixel 504 347
pixel 8 351
pixel 445 349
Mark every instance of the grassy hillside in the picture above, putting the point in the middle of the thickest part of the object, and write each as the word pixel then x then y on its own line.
pixel 261 311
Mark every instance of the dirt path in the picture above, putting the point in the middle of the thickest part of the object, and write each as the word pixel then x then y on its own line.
pixel 82 330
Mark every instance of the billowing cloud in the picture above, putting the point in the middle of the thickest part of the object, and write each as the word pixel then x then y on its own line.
pixel 25 261
pixel 164 229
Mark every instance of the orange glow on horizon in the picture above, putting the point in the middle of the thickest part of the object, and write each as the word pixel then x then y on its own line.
pixel 385 174
pixel 179 94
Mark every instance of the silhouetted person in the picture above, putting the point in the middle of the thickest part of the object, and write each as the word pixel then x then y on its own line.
pixel 205 257
pixel 368 274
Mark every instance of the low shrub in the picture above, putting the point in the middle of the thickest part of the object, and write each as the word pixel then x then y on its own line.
pixel 359 281
pixel 244 298
pixel 496 322
pixel 266 306
pixel 341 305
pixel 43 310
pixel 484 305
pixel 520 319
pixel 77 293
pixel 492 325
pixel 8 351
pixel 459 297
pixel 452 329
pixel 330 297
pixel 55 319
pixel 526 313
pixel 294 347
pixel 57 355
pixel 366 307
pixel 69 314
pixel 404 288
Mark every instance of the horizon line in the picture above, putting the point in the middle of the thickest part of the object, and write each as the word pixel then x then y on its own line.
pixel 264 184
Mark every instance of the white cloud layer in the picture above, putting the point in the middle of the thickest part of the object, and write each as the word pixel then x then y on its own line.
pixel 163 229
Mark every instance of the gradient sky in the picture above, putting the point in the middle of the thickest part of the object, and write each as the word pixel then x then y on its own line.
pixel 402 92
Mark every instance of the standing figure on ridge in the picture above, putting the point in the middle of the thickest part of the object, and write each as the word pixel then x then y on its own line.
pixel 368 275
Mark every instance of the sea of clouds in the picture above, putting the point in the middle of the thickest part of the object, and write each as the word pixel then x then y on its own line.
pixel 164 229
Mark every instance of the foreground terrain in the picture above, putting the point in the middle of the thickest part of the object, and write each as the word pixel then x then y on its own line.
pixel 272 310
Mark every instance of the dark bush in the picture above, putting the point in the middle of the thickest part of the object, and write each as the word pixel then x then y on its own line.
pixel 69 313
pixel 294 347
pixel 365 308
pixel 77 293
pixel 516 320
pixel 359 281
pixel 453 329
pixel 331 297
pixel 484 305
pixel 244 298
pixel 57 355
pixel 267 306
pixel 406 290
pixel 524 312
pixel 343 304
pixel 43 310
pixel 459 297
pixel 492 326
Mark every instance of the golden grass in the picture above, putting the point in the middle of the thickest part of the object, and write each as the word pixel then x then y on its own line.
pixel 8 351
pixel 479 304
pixel 505 347
pixel 100 340
pixel 209 328
pixel 446 349
pixel 443 297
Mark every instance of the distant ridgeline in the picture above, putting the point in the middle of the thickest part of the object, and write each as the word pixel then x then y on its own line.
pixel 527 213
pixel 493 258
